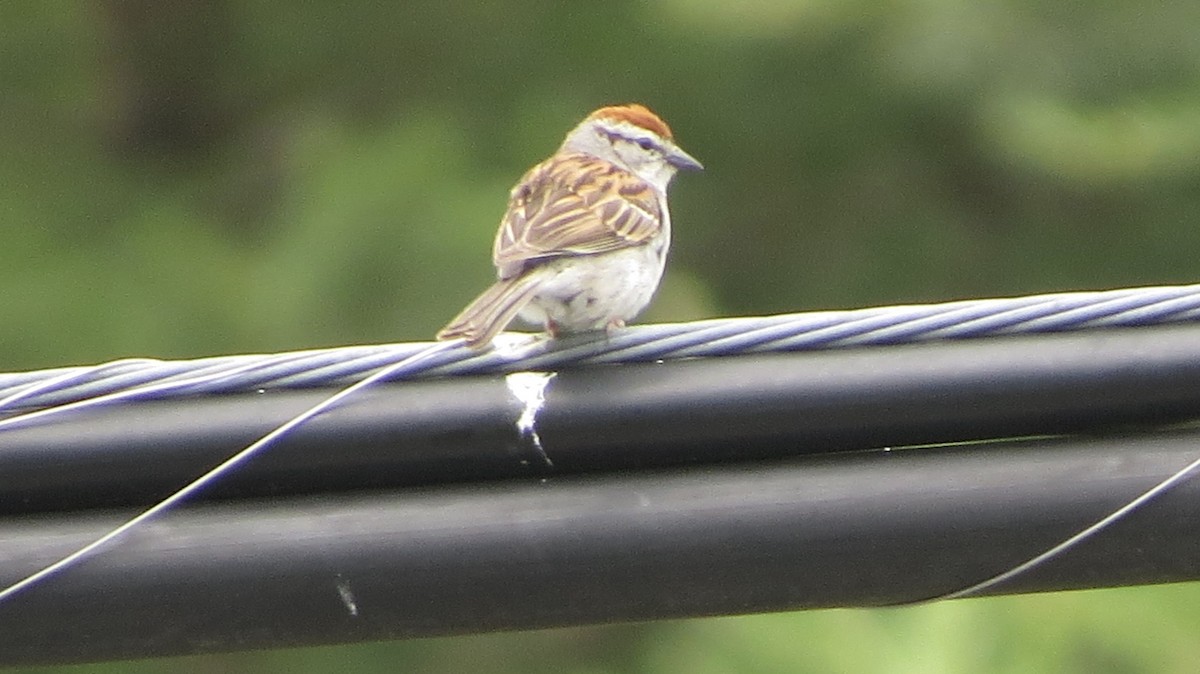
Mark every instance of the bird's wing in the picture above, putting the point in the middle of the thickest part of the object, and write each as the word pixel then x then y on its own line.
pixel 574 205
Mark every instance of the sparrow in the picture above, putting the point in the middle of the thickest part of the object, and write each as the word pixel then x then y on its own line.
pixel 584 241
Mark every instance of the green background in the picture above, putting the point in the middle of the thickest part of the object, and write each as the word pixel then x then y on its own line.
pixel 181 178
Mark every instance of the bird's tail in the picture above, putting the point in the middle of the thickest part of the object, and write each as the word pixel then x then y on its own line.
pixel 492 311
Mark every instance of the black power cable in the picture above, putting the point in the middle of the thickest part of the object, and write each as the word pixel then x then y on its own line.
pixel 689 488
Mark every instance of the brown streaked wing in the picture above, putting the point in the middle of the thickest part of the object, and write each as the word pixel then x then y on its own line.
pixel 574 205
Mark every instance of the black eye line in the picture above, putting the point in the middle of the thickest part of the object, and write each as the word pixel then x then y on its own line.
pixel 644 143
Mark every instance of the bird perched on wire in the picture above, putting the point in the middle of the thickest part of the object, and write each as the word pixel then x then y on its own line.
pixel 584 241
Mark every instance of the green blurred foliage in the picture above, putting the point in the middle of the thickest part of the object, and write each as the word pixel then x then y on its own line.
pixel 180 178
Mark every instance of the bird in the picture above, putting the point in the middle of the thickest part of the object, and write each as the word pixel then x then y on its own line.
pixel 583 243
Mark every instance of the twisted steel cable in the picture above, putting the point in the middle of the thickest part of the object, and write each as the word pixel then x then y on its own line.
pixel 152 379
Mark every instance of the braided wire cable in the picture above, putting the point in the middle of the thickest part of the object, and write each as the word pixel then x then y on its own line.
pixel 150 379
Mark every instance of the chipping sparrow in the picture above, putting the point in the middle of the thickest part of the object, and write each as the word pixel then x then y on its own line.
pixel 585 238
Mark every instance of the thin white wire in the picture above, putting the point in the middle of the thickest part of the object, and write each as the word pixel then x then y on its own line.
pixel 1108 520
pixel 213 474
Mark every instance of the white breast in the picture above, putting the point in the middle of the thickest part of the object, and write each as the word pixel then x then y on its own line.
pixel 594 292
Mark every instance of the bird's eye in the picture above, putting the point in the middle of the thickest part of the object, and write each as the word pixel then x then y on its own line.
pixel 646 144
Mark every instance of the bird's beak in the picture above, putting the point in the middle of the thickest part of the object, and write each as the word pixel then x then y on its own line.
pixel 682 160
